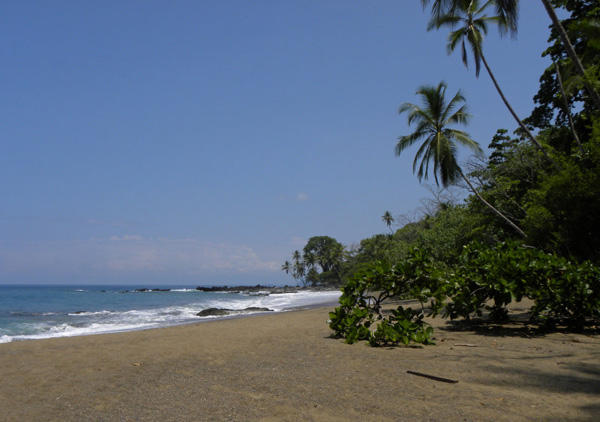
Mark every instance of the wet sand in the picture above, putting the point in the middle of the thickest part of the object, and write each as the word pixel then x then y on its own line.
pixel 284 367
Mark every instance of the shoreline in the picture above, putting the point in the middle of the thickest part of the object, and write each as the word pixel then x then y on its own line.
pixel 285 367
pixel 251 302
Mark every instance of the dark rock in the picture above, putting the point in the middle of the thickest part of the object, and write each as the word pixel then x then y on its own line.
pixel 258 289
pixel 224 312
pixel 257 309
pixel 214 312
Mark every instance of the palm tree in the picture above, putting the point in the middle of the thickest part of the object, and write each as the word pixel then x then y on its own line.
pixel 469 23
pixel 565 99
pixel 508 12
pixel 298 267
pixel 287 267
pixel 571 52
pixel 440 141
pixel 388 219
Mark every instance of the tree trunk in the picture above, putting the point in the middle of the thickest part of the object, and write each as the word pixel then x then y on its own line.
pixel 567 108
pixel 512 112
pixel 571 52
pixel 491 207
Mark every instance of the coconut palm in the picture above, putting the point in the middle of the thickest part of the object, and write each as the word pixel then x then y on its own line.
pixel 508 12
pixel 469 22
pixel 571 52
pixel 388 219
pixel 440 142
pixel 298 268
pixel 287 267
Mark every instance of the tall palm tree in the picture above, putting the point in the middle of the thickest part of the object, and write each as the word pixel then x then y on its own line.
pixel 298 267
pixel 565 99
pixel 571 52
pixel 388 219
pixel 508 11
pixel 468 23
pixel 441 142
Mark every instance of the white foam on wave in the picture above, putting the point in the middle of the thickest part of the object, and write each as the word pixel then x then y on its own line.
pixel 81 313
pixel 67 330
pixel 277 302
pixel 105 321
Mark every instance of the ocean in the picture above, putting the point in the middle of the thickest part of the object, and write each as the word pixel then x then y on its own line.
pixel 30 312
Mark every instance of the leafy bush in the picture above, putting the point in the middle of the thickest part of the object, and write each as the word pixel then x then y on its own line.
pixel 363 295
pixel 485 279
pixel 562 291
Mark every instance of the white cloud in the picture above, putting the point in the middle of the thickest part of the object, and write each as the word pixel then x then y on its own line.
pixel 302 197
pixel 297 241
pixel 95 221
pixel 127 237
pixel 132 255
pixel 162 239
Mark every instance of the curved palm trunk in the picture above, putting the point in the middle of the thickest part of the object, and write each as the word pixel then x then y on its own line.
pixel 567 108
pixel 571 51
pixel 512 112
pixel 491 207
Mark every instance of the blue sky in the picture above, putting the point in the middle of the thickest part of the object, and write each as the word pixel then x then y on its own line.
pixel 180 142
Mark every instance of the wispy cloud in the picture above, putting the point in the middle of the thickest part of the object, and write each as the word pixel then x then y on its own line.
pixel 112 223
pixel 297 241
pixel 126 237
pixel 162 239
pixel 132 255
pixel 302 197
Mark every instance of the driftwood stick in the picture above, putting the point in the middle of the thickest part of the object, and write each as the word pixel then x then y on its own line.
pixel 433 377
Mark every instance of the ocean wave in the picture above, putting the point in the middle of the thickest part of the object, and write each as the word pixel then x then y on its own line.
pixel 87 322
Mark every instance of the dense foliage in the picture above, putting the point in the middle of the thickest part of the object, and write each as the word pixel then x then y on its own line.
pixel 488 279
pixel 530 226
pixel 361 303
pixel 320 263
pixel 482 283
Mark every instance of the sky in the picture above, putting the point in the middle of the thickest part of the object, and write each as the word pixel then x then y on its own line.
pixel 200 142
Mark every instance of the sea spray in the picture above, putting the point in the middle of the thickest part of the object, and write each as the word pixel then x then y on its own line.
pixel 37 312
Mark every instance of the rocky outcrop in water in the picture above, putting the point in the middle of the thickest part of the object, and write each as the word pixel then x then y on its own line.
pixel 144 290
pixel 223 312
pixel 258 289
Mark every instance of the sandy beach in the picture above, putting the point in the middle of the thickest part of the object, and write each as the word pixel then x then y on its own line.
pixel 284 367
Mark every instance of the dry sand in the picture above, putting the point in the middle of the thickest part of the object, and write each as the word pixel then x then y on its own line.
pixel 284 367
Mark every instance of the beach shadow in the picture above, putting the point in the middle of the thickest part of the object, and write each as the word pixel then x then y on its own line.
pixel 569 377
pixel 485 328
pixel 593 410
pixel 518 325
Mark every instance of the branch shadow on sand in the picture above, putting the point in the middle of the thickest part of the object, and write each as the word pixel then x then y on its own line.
pixel 568 378
pixel 518 325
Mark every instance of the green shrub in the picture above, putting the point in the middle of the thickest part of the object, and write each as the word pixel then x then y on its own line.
pixel 362 297
pixel 484 279
pixel 562 291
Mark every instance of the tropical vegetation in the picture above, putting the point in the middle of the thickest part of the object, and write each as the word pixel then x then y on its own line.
pixel 529 225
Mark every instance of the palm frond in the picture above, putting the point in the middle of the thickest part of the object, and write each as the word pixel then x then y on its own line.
pixel 439 143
